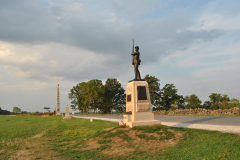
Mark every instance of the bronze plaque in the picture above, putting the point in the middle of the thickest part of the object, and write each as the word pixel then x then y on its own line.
pixel 129 98
pixel 142 95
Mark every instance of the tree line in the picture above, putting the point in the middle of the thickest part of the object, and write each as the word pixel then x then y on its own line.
pixel 4 112
pixel 96 95
pixel 111 95
pixel 167 98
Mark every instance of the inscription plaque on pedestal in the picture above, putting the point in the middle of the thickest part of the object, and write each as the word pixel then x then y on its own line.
pixel 129 98
pixel 142 95
pixel 143 108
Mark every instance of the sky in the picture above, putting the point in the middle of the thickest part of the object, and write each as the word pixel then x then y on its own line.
pixel 192 44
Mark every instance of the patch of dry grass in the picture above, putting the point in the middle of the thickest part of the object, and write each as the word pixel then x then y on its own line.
pixel 35 147
pixel 121 147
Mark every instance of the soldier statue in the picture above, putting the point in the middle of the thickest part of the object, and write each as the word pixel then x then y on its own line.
pixel 136 62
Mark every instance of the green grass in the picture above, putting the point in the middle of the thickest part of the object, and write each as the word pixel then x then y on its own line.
pixel 156 129
pixel 125 137
pixel 113 134
pixel 201 144
pixel 149 129
pixel 21 127
pixel 104 141
pixel 64 136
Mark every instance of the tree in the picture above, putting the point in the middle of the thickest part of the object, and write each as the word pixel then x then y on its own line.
pixel 224 102
pixel 219 101
pixel 207 104
pixel 16 110
pixel 87 94
pixel 76 96
pixel 193 101
pixel 180 102
pixel 114 96
pixel 169 98
pixel 96 93
pixel 154 88
pixel 4 112
pixel 215 100
pixel 73 107
pixel 234 103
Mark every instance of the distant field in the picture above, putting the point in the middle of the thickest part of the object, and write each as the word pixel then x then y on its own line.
pixel 32 137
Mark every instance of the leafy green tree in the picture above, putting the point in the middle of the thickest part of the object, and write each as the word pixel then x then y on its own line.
pixel 76 96
pixel 154 89
pixel 207 104
pixel 4 112
pixel 114 96
pixel 193 101
pixel 219 101
pixel 234 103
pixel 73 107
pixel 180 102
pixel 224 102
pixel 215 100
pixel 97 91
pixel 90 93
pixel 169 98
pixel 16 110
pixel 86 95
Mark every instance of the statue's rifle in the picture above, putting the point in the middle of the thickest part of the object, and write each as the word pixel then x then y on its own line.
pixel 133 50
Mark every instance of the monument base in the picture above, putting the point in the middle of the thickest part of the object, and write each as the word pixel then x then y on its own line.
pixel 139 104
pixel 132 124
pixel 140 116
pixel 67 117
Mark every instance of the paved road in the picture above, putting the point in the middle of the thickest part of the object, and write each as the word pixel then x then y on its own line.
pixel 223 124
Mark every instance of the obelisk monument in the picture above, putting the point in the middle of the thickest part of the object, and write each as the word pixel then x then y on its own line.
pixel 58 102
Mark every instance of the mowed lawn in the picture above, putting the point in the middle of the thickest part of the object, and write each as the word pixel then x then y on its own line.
pixel 31 137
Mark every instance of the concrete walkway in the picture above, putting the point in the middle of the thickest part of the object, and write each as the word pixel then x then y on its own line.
pixel 222 124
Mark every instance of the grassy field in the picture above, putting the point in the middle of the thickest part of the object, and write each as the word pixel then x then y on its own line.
pixel 23 137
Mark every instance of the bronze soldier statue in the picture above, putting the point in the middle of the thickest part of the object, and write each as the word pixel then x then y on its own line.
pixel 136 62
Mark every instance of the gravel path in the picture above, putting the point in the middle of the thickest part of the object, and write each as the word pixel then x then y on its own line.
pixel 222 124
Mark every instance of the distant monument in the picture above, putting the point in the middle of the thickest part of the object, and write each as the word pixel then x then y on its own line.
pixel 67 116
pixel 58 102
pixel 138 103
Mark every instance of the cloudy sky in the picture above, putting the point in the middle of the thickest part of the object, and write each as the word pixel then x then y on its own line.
pixel 192 44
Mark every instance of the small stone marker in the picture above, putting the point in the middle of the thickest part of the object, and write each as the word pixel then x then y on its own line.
pixel 67 116
pixel 91 120
pixel 72 111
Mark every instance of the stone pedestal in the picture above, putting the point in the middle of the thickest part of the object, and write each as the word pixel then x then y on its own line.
pixel 67 116
pixel 72 111
pixel 139 103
